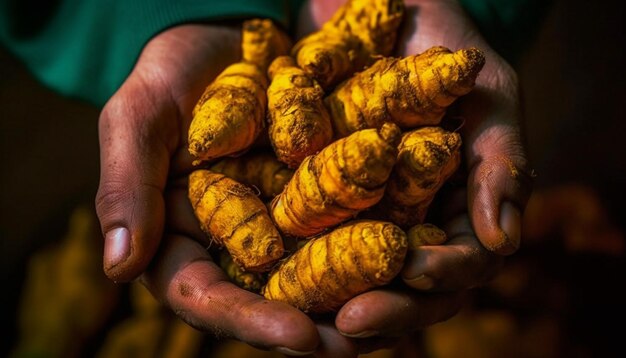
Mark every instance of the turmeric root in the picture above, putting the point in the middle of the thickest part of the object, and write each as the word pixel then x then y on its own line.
pixel 251 281
pixel 346 177
pixel 414 91
pixel 425 234
pixel 427 157
pixel 331 269
pixel 262 41
pixel 230 115
pixel 236 218
pixel 259 170
pixel 358 32
pixel 299 124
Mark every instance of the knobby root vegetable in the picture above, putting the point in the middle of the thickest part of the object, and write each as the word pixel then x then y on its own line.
pixel 425 234
pixel 259 170
pixel 331 269
pixel 236 218
pixel 359 31
pixel 427 157
pixel 414 91
pixel 299 124
pixel 343 179
pixel 251 281
pixel 262 41
pixel 230 115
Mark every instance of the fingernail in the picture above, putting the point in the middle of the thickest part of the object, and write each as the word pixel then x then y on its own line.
pixel 292 352
pixel 420 282
pixel 363 334
pixel 511 225
pixel 116 246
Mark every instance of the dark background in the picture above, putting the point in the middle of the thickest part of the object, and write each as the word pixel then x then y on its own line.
pixel 572 79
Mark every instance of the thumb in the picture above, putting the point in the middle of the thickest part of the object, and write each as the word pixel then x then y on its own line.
pixel 134 157
pixel 499 182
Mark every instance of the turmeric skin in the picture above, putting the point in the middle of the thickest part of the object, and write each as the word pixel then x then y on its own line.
pixel 346 177
pixel 233 216
pixel 427 157
pixel 425 234
pixel 262 41
pixel 414 91
pixel 259 170
pixel 299 124
pixel 230 115
pixel 331 269
pixel 251 281
pixel 358 32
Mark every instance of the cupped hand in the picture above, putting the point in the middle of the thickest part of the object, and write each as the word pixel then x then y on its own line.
pixel 142 198
pixel 483 222
pixel 432 287
pixel 499 181
pixel 143 151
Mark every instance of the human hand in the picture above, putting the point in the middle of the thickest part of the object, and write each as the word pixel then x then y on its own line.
pixel 142 196
pixel 483 222
pixel 499 182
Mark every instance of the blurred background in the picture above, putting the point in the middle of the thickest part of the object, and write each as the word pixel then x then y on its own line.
pixel 558 296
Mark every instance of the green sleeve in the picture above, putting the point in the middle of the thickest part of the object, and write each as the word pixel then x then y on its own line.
pixel 86 48
pixel 508 25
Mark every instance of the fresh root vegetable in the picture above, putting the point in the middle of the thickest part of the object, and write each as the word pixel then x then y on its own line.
pixel 413 91
pixel 425 234
pixel 343 179
pixel 230 115
pixel 331 269
pixel 259 170
pixel 262 41
pixel 371 169
pixel 359 31
pixel 427 157
pixel 299 124
pixel 233 216
pixel 251 281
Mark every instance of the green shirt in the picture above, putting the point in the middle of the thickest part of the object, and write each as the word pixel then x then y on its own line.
pixel 508 25
pixel 86 48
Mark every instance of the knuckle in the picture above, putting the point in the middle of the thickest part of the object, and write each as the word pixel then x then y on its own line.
pixel 109 197
pixel 117 108
pixel 513 175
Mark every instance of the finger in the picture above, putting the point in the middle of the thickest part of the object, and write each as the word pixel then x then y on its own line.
pixel 459 264
pixel 334 344
pixel 388 313
pixel 499 181
pixel 137 135
pixel 192 285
